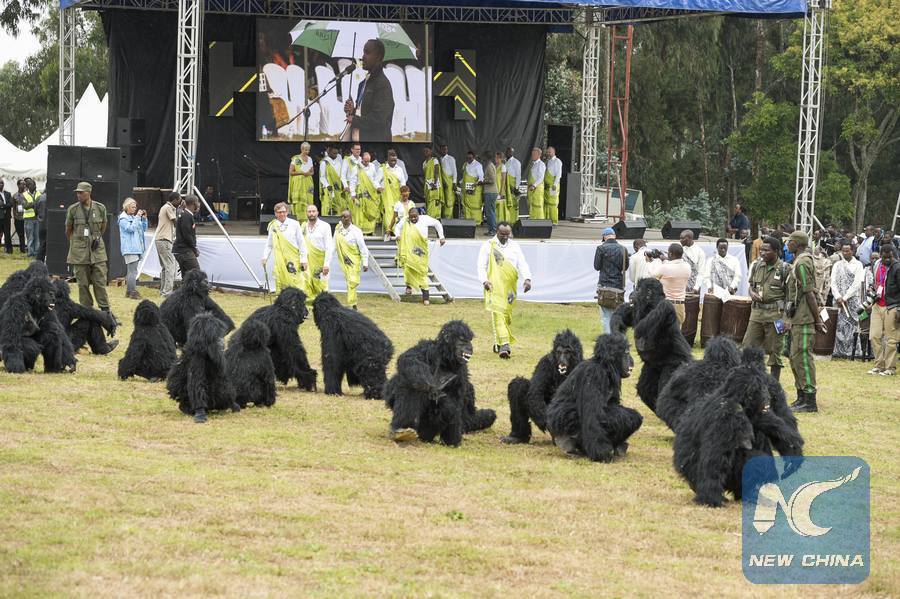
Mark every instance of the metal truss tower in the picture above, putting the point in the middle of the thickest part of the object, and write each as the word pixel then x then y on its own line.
pixel 590 115
pixel 187 92
pixel 808 139
pixel 66 102
pixel 620 45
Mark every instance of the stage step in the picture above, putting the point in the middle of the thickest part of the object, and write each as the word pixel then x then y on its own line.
pixel 381 261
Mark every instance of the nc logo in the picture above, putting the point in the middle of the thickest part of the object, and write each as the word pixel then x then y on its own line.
pixel 797 509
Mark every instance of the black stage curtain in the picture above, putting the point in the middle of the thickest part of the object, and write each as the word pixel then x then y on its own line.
pixel 142 85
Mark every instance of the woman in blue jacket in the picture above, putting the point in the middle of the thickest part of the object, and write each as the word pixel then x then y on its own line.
pixel 132 225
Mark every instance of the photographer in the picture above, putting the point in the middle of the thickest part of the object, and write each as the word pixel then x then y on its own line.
pixel 673 273
pixel 132 225
pixel 611 260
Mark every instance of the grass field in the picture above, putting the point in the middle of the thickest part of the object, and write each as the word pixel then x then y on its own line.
pixel 107 490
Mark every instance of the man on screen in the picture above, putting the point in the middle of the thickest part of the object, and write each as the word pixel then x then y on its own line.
pixel 369 117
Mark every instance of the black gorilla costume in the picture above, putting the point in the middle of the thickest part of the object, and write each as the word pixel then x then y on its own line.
pixel 187 301
pixel 353 345
pixel 288 354
pixel 586 415
pixel 250 365
pixel 29 328
pixel 198 381
pixel 528 400
pixel 151 350
pixel 16 281
pixel 745 416
pixel 431 394
pixel 695 379
pixel 83 324
pixel 657 337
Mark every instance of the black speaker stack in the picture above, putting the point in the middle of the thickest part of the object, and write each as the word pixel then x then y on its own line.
pixel 674 228
pixel 458 228
pixel 630 229
pixel 533 229
pixel 131 136
pixel 66 167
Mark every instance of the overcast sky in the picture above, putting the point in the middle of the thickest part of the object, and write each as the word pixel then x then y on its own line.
pixel 17 48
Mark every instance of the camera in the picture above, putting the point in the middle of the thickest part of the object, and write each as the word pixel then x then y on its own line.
pixel 658 255
pixel 790 309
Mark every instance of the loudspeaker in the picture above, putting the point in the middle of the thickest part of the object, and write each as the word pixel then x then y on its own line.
pixel 561 138
pixel 107 193
pixel 131 132
pixel 131 157
pixel 64 161
pixel 458 228
pixel 331 220
pixel 115 266
pixel 533 229
pixel 100 164
pixel 673 228
pixel 61 191
pixel 57 244
pixel 248 208
pixel 572 197
pixel 630 229
pixel 264 220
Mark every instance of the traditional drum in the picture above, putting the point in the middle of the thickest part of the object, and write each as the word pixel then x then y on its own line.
pixel 824 343
pixel 712 317
pixel 735 317
pixel 691 311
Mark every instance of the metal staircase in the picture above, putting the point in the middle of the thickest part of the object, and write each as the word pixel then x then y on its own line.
pixel 382 262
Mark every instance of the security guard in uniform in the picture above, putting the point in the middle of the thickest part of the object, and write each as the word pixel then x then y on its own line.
pixel 768 279
pixel 85 225
pixel 803 320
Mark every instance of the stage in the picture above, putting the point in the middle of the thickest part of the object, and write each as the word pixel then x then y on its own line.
pixel 562 267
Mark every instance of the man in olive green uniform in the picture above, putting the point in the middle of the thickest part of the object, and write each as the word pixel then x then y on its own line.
pixel 803 320
pixel 768 278
pixel 85 226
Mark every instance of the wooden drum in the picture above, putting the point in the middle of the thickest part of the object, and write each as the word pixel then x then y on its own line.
pixel 712 318
pixel 691 312
pixel 735 317
pixel 824 343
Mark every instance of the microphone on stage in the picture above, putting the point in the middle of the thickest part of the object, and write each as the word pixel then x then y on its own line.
pixel 350 68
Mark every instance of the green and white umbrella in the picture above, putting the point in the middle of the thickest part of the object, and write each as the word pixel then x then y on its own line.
pixel 345 39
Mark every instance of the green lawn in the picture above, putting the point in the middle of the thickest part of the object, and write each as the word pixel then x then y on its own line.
pixel 106 489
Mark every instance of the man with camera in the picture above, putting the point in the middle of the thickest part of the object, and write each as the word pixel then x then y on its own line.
pixel 768 278
pixel 803 320
pixel 610 260
pixel 673 272
pixel 86 223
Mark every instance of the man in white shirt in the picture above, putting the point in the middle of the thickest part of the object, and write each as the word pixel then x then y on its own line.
pixel 723 269
pixel 552 180
pixel 365 194
pixel 501 264
pixel 352 254
pixel 847 277
pixel 448 179
pixel 511 186
pixel 393 177
pixel 319 250
pixel 285 240
pixel 433 188
pixel 414 250
pixel 637 266
pixel 473 188
pixel 695 258
pixel 536 173
pixel 331 185
pixel 349 164
pixel 400 163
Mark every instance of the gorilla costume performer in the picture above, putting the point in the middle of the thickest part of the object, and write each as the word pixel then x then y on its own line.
pixel 431 394
pixel 83 324
pixel 528 400
pixel 250 365
pixel 151 350
pixel 283 318
pixel 718 433
pixel 695 379
pixel 657 337
pixel 16 281
pixel 198 381
pixel 189 300
pixel 29 328
pixel 353 345
pixel 586 415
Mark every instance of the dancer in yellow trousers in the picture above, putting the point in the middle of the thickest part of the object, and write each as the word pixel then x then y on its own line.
pixel 393 177
pixel 352 254
pixel 285 241
pixel 449 179
pixel 415 250
pixel 473 188
pixel 331 187
pixel 319 250
pixel 365 194
pixel 552 180
pixel 500 265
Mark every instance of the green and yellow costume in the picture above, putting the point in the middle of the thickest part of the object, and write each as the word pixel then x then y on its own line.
pixel 390 195
pixel 433 197
pixel 285 261
pixel 414 256
pixel 350 259
pixel 536 196
pixel 551 198
pixel 300 186
pixel 499 301
pixel 334 201
pixel 472 199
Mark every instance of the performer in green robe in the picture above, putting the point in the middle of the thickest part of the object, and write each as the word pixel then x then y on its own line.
pixel 331 187
pixel 536 172
pixel 500 262
pixel 473 188
pixel 285 241
pixel 392 178
pixel 413 242
pixel 300 182
pixel 552 179
pixel 319 251
pixel 366 199
pixel 448 180
pixel 434 188
pixel 352 254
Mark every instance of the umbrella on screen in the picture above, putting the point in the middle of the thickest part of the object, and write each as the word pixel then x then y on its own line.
pixel 339 39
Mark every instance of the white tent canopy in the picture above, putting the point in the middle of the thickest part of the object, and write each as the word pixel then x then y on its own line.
pixel 91 123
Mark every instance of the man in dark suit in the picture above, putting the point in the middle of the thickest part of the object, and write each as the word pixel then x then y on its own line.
pixel 370 116
pixel 7 207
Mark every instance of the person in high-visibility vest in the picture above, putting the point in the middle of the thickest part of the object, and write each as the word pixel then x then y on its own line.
pixel 536 173
pixel 29 216
pixel 552 180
